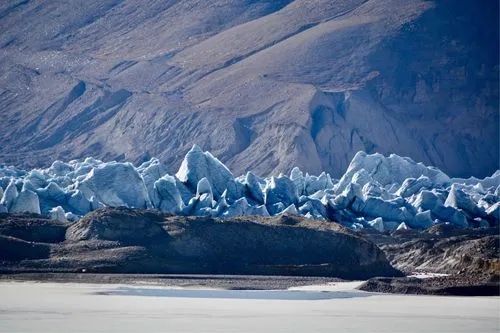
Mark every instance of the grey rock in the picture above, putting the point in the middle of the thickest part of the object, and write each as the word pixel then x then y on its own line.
pixel 236 75
pixel 119 224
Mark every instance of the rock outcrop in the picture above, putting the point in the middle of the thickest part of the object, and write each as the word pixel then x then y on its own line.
pixel 442 260
pixel 145 241
pixel 123 225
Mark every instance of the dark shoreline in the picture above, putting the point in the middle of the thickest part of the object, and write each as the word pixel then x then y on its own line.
pixel 453 285
pixel 132 246
pixel 230 282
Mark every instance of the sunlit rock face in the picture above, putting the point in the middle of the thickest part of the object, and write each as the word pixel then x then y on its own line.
pixel 264 85
pixel 380 192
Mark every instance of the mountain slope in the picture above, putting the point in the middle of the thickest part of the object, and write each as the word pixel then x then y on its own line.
pixel 262 84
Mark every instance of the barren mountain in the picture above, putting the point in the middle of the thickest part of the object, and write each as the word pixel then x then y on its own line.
pixel 263 84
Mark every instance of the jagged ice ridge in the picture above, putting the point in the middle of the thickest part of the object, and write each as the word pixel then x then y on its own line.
pixel 384 193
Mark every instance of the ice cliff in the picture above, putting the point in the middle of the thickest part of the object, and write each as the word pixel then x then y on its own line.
pixel 384 193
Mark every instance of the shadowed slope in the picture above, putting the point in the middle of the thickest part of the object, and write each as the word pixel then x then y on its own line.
pixel 262 84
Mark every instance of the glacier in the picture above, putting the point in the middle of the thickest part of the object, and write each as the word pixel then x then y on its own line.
pixel 385 193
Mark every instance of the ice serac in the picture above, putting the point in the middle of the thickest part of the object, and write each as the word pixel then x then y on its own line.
pixel 427 200
pixel 422 220
pixel 314 208
pixel 26 202
pixel 291 210
pixel 235 189
pixel 198 164
pixel 494 212
pixel 204 195
pixel 314 184
pixel 297 176
pixel 116 184
pixel 377 192
pixel 377 224
pixel 388 210
pixel 457 198
pixel 280 190
pixel 52 192
pixel 390 170
pixel 411 186
pixel 239 208
pixel 169 196
pixel 9 195
pixel 150 172
pixel 78 203
pixel 346 198
pixel 402 226
pixel 58 214
pixel 253 187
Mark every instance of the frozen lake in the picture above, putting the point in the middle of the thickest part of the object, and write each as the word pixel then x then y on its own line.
pixel 68 307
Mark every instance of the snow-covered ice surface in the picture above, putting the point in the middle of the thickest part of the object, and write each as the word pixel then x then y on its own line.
pixel 52 307
pixel 426 275
pixel 377 191
pixel 332 286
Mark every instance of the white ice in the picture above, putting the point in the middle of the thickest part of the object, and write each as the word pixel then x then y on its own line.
pixel 52 307
pixel 389 190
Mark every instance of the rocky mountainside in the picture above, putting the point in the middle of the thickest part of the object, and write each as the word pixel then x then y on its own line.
pixel 470 261
pixel 442 249
pixel 263 84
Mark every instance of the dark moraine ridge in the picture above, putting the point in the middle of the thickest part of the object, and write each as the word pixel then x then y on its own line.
pixel 454 285
pixel 470 257
pixel 121 240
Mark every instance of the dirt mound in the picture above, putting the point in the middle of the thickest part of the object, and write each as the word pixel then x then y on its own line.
pixel 457 285
pixel 32 228
pixel 277 245
pixel 142 241
pixel 125 225
pixel 14 249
